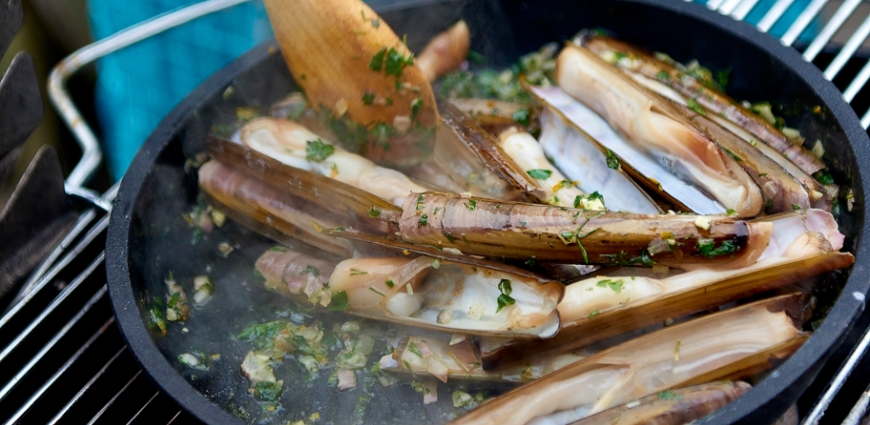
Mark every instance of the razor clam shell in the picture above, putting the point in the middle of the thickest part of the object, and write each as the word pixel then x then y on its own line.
pixel 687 404
pixel 714 100
pixel 632 316
pixel 781 186
pixel 486 148
pixel 650 364
pixel 523 231
pixel 246 198
pixel 654 127
pixel 636 163
pixel 332 194
pixel 581 160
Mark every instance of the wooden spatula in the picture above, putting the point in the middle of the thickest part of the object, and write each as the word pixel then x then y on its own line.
pixel 349 61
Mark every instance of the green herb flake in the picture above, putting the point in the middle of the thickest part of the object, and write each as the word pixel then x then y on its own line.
pixel 268 391
pixel 357 272
pixel 374 212
pixel 824 178
pixel 539 174
pixel 471 204
pixel 612 160
pixel 732 154
pixel 668 395
pixel 762 175
pixel 795 207
pixel 464 239
pixel 504 299
pixel 663 75
pixel 424 220
pixel 693 105
pixel 318 151
pixel 389 283
pixel 412 347
pixel 615 285
pixel 594 313
pixel 450 237
pixel 420 204
pixel 416 105
pixel 522 117
pixel 367 98
pixel 396 62
pixel 707 249
pixel 722 77
pixel 338 301
pixel 531 262
pixel 475 57
pixel 376 291
pixel 730 213
pixel 407 365
pixel 377 62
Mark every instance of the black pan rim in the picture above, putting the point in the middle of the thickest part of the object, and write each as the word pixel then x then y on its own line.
pixel 803 365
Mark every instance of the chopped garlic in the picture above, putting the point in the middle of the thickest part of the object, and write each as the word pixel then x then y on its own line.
pixel 445 316
pixel 633 404
pixel 340 107
pixel 702 223
pixel 818 149
pixel 475 311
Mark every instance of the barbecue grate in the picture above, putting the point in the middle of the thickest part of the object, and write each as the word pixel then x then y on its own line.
pixel 62 359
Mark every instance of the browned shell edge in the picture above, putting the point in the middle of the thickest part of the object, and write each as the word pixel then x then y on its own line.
pixel 345 199
pixel 756 124
pixel 612 322
pixel 485 147
pixel 688 404
pixel 441 255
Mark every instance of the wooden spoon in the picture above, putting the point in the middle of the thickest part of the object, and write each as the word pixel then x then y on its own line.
pixel 350 62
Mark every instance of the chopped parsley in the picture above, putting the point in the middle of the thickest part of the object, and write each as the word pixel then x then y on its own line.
pixel 824 178
pixel 730 212
pixel 420 204
pixel 594 313
pixel 367 98
pixel 707 249
pixel 376 291
pixel 795 207
pixel 374 212
pixel 612 160
pixel 338 301
pixel 732 154
pixel 540 174
pixel 268 391
pixel 522 117
pixel 504 299
pixel 531 262
pixel 424 220
pixel 377 62
pixel 357 272
pixel 722 77
pixel 412 347
pixel 318 151
pixel 389 283
pixel 396 62
pixel 450 237
pixel 668 395
pixel 416 104
pixel 663 75
pixel 762 175
pixel 471 204
pixel 615 285
pixel 693 105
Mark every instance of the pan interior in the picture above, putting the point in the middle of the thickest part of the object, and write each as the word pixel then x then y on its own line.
pixel 161 241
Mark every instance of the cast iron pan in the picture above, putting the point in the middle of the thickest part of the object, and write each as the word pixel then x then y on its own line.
pixel 148 238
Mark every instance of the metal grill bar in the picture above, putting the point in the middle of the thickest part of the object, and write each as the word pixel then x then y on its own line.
pixel 773 15
pixel 744 9
pixel 849 49
pixel 60 334
pixel 115 397
pixel 142 409
pixel 839 379
pixel 830 29
pixel 57 417
pixel 803 21
pixel 67 259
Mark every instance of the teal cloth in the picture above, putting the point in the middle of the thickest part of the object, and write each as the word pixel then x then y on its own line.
pixel 139 85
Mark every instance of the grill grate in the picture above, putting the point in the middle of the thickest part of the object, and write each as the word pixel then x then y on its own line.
pixel 63 359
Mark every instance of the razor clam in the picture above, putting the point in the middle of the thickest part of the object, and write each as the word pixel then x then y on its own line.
pixel 782 189
pixel 448 296
pixel 445 52
pixel 445 359
pixel 557 234
pixel 293 145
pixel 496 116
pixel 593 309
pixel 714 100
pixel 257 201
pixel 714 346
pixel 356 204
pixel 583 162
pixel 675 407
pixel 623 155
pixel 553 188
pixel 654 128
pixel 422 292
